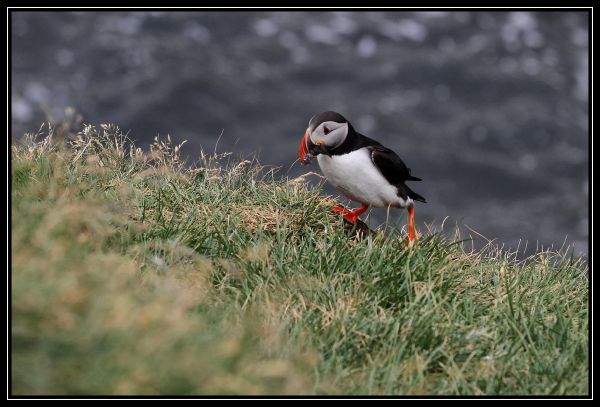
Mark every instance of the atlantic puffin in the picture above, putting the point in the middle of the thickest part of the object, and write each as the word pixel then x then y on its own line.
pixel 358 167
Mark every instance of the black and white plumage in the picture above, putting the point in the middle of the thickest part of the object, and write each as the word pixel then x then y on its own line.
pixel 359 167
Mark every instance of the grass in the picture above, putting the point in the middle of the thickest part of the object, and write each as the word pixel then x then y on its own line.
pixel 133 273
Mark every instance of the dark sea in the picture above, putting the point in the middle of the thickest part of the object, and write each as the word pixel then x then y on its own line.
pixel 490 109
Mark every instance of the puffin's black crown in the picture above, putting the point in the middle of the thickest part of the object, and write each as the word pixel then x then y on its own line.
pixel 325 117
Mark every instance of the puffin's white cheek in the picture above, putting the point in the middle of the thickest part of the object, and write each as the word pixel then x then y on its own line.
pixel 336 138
pixel 318 140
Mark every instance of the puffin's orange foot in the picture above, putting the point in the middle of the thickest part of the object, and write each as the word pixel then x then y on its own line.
pixel 347 214
pixel 407 242
pixel 350 216
pixel 340 209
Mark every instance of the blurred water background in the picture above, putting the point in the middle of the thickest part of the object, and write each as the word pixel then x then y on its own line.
pixel 489 108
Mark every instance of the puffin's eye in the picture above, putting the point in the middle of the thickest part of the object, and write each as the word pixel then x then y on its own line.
pixel 326 130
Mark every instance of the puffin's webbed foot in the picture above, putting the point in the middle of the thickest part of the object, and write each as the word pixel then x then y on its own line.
pixel 350 216
pixel 339 208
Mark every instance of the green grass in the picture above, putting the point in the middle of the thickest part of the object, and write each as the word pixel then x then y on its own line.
pixel 133 273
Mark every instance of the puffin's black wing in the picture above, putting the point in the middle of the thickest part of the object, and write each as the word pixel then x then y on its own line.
pixel 390 165
pixel 392 168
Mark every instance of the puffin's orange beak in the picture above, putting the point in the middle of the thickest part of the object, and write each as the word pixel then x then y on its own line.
pixel 304 147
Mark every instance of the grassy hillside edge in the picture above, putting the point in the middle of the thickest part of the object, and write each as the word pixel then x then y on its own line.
pixel 133 273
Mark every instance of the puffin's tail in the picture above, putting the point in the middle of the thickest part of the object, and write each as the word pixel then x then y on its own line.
pixel 413 195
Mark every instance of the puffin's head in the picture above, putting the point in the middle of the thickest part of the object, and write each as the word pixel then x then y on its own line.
pixel 325 130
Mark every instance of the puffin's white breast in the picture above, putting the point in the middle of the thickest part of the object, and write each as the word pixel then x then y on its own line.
pixel 355 176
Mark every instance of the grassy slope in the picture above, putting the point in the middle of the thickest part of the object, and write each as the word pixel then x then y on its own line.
pixel 134 274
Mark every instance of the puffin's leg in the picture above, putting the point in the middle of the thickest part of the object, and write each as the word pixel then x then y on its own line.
pixel 411 223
